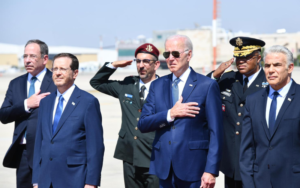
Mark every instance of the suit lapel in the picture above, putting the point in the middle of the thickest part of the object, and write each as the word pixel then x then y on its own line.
pixel 189 85
pixel 71 105
pixel 237 86
pixel 288 100
pixel 263 105
pixel 23 87
pixel 255 85
pixel 51 111
pixel 46 81
pixel 136 91
pixel 168 92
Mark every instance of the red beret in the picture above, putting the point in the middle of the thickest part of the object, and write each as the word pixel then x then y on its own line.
pixel 147 48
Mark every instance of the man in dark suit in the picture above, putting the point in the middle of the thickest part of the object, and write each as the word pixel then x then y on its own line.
pixel 69 145
pixel 187 144
pixel 133 147
pixel 235 86
pixel 21 105
pixel 270 144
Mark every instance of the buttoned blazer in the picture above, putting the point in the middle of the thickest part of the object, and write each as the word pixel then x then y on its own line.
pixel 271 160
pixel 13 110
pixel 191 145
pixel 233 101
pixel 72 156
pixel 132 146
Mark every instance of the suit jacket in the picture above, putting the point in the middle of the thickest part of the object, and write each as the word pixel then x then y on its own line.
pixel 73 155
pixel 271 160
pixel 192 145
pixel 231 83
pixel 13 110
pixel 136 151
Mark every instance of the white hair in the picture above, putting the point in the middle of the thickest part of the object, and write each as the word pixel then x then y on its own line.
pixel 187 41
pixel 280 49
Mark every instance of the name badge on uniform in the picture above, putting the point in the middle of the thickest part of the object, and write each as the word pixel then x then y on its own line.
pixel 128 95
pixel 223 107
pixel 226 93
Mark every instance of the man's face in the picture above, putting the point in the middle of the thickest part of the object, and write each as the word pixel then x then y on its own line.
pixel 33 61
pixel 180 64
pixel 146 70
pixel 277 72
pixel 63 76
pixel 248 65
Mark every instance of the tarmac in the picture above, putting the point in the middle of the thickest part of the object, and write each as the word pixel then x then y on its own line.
pixel 112 171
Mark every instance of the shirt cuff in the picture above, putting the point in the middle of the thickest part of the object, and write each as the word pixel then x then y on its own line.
pixel 212 76
pixel 169 119
pixel 35 184
pixel 25 106
pixel 109 65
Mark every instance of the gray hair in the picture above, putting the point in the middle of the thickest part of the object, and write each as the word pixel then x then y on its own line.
pixel 280 49
pixel 187 41
pixel 43 46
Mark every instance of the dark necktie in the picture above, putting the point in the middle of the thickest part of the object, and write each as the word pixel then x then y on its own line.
pixel 31 88
pixel 245 87
pixel 272 115
pixel 58 113
pixel 175 90
pixel 142 94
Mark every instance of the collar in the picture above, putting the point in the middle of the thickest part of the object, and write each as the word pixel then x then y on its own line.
pixel 184 76
pixel 147 85
pixel 253 76
pixel 39 76
pixel 67 94
pixel 283 91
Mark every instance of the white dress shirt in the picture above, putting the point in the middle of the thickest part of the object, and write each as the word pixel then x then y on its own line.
pixel 251 78
pixel 66 95
pixel 37 86
pixel 280 99
pixel 183 78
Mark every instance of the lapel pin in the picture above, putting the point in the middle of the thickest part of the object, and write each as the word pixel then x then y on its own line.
pixel 237 80
pixel 73 103
pixel 289 99
pixel 135 83
pixel 257 85
pixel 191 85
pixel 228 90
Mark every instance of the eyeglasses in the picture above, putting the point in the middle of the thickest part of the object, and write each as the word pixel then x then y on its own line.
pixel 245 58
pixel 145 61
pixel 175 54
pixel 31 56
pixel 62 70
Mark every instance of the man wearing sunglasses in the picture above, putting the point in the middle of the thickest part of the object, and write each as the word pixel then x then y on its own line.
pixel 133 147
pixel 184 108
pixel 235 86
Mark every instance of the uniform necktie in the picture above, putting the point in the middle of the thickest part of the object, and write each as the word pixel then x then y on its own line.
pixel 175 90
pixel 245 87
pixel 58 113
pixel 272 114
pixel 31 88
pixel 142 95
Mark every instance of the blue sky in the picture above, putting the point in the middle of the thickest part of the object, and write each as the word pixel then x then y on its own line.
pixel 80 23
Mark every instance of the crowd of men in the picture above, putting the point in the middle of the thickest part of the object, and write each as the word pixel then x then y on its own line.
pixel 178 131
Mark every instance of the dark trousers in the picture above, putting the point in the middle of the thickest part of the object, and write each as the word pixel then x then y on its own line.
pixel 138 177
pixel 24 172
pixel 231 183
pixel 174 182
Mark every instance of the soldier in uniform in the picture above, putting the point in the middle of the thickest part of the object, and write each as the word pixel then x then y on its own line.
pixel 133 147
pixel 235 86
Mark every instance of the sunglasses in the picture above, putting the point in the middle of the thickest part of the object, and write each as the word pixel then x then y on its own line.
pixel 145 61
pixel 175 54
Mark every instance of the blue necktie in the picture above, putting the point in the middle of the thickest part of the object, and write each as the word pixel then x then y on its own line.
pixel 272 115
pixel 31 88
pixel 58 113
pixel 175 90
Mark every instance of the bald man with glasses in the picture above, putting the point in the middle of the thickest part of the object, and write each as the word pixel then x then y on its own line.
pixel 133 147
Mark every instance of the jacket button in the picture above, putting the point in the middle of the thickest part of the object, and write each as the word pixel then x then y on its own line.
pixel 223 97
pixel 173 127
pixel 241 105
pixel 137 119
pixel 169 142
pixel 237 132
pixel 135 137
pixel 237 123
pixel 239 114
pixel 52 142
pixel 50 158
pixel 136 128
pixel 271 148
pixel 140 110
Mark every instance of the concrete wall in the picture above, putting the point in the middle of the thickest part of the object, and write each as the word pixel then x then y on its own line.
pixel 9 59
pixel 87 57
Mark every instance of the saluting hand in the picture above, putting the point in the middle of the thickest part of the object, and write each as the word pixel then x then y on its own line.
pixel 122 63
pixel 208 180
pixel 180 109
pixel 35 99
pixel 220 70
